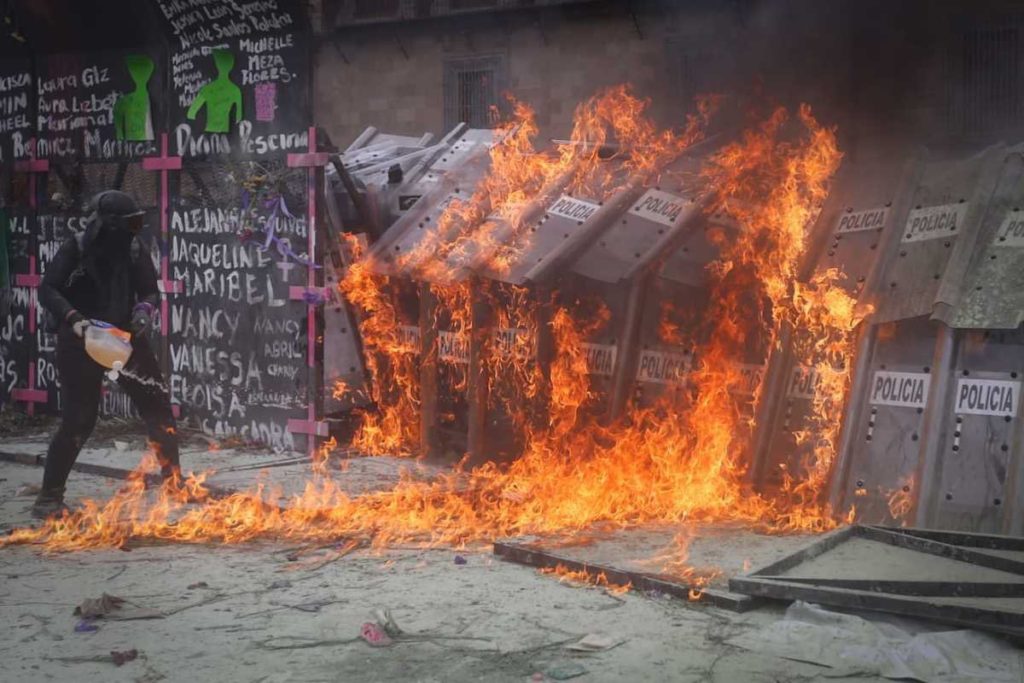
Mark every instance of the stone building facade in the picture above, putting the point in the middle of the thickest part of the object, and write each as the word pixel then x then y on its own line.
pixel 931 72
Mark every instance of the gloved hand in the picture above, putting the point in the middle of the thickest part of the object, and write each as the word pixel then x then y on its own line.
pixel 142 318
pixel 79 323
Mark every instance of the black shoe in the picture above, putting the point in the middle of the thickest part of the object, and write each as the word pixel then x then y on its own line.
pixel 49 504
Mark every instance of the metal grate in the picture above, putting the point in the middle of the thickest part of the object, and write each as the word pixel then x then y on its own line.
pixel 985 93
pixel 73 184
pixel 472 88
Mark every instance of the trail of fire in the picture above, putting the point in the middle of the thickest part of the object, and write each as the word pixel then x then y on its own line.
pixel 582 577
pixel 657 465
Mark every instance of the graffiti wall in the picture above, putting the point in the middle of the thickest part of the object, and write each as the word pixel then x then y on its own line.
pixel 208 127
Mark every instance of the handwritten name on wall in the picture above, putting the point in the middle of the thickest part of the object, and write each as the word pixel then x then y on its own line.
pixel 15 106
pixel 198 22
pixel 95 106
pixel 239 76
pixel 237 341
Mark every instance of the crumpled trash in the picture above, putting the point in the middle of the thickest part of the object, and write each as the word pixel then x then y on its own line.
pixel 86 626
pixel 27 490
pixel 375 635
pixel 386 621
pixel 384 631
pixel 111 607
pixel 565 671
pixel 595 642
pixel 854 646
pixel 122 656
pixel 459 559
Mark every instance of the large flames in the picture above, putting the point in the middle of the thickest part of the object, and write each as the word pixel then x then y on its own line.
pixel 683 459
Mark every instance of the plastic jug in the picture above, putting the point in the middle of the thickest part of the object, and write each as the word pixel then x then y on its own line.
pixel 109 346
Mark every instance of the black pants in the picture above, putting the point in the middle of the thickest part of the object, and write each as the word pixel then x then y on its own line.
pixel 81 379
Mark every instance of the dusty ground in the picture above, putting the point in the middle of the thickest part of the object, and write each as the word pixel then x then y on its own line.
pixel 247 613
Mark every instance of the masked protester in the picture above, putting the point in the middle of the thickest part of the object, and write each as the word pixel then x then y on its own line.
pixel 103 274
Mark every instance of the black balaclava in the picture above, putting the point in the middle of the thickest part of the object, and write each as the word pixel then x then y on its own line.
pixel 107 245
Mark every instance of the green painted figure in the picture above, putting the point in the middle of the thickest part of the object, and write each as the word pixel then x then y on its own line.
pixel 132 119
pixel 223 99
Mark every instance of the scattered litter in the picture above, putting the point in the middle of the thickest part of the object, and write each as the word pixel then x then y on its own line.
pixel 564 672
pixel 853 646
pixel 199 584
pixel 459 559
pixel 375 635
pixel 98 607
pixel 112 607
pixel 121 445
pixel 387 622
pixel 595 642
pixel 86 626
pixel 122 656
pixel 384 631
pixel 27 490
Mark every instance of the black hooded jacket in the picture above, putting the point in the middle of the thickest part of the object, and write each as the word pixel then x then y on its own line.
pixel 102 274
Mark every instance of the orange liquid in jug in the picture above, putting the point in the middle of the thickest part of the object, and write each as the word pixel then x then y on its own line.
pixel 108 345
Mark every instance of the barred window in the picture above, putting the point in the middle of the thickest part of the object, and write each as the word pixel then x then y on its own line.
pixel 984 88
pixel 472 90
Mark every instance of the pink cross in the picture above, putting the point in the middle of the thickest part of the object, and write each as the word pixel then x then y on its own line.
pixel 166 285
pixel 311 161
pixel 308 426
pixel 32 165
pixel 300 293
pixel 31 395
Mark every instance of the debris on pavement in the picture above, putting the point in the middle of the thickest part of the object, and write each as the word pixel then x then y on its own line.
pixel 121 657
pixel 565 671
pixel 111 607
pixel 375 635
pixel 595 642
pixel 27 491
pixel 853 646
pixel 86 626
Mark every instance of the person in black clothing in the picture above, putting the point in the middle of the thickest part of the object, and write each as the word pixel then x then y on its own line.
pixel 103 274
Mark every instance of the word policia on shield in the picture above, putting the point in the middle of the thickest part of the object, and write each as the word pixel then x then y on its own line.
pixel 676 453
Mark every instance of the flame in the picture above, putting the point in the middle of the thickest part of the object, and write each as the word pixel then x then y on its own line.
pixel 682 460
pixel 339 389
pixel 391 360
pixel 901 501
pixel 582 577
